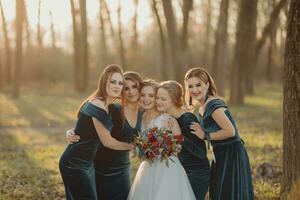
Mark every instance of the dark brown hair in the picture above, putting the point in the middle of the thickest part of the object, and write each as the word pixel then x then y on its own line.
pixel 134 77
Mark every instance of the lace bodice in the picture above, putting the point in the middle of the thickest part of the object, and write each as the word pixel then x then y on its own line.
pixel 159 122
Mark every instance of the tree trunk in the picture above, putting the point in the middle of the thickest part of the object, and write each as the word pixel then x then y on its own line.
pixel 103 42
pixel 121 42
pixel 109 20
pixel 76 46
pixel 84 45
pixel 259 44
pixel 39 61
pixel 291 101
pixel 18 57
pixel 39 31
pixel 244 50
pixel 1 73
pixel 271 65
pixel 53 36
pixel 134 41
pixel 27 26
pixel 173 39
pixel 218 60
pixel 187 7
pixel 206 49
pixel 269 27
pixel 7 70
pixel 163 46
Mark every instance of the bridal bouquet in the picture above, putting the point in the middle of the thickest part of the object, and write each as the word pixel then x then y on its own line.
pixel 156 143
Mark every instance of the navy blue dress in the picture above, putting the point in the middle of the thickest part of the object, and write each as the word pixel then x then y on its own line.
pixel 77 162
pixel 230 173
pixel 193 157
pixel 113 177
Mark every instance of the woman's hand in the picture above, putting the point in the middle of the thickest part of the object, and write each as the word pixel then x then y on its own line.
pixel 173 125
pixel 197 130
pixel 71 137
pixel 131 146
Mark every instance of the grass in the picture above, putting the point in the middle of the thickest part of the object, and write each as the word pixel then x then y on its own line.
pixel 32 131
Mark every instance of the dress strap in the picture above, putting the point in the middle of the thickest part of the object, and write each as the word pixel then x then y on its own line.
pixel 100 114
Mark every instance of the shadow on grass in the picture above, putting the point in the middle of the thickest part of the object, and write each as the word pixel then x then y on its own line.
pixel 22 176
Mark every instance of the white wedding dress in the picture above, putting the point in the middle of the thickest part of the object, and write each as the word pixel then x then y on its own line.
pixel 157 181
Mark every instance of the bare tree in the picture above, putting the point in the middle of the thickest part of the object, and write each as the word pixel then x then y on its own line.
pixel 53 36
pixel 218 59
pixel 76 46
pixel 244 49
pixel 291 101
pixel 80 45
pixel 269 27
pixel 18 57
pixel 39 52
pixel 121 42
pixel 84 45
pixel 109 20
pixel 173 39
pixel 7 70
pixel 134 41
pixel 27 28
pixel 103 41
pixel 272 48
pixel 186 9
pixel 163 46
pixel 39 31
pixel 260 43
pixel 1 71
pixel 206 52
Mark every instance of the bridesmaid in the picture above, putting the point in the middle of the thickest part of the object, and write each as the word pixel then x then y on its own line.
pixel 193 155
pixel 230 172
pixel 113 167
pixel 94 122
pixel 113 176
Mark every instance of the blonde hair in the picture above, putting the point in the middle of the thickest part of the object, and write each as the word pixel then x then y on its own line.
pixel 175 91
pixel 150 83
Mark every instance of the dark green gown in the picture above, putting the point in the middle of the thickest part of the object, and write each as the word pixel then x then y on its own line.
pixel 230 173
pixel 113 177
pixel 193 157
pixel 77 162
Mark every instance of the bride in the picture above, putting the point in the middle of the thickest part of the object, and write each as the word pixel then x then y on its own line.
pixel 157 181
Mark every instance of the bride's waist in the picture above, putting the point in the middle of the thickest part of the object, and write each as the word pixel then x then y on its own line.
pixel 160 159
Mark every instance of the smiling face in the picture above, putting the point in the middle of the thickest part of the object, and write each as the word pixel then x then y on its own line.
pixel 147 98
pixel 163 100
pixel 197 88
pixel 131 91
pixel 115 85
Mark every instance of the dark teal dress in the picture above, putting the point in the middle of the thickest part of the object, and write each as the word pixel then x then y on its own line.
pixel 230 173
pixel 113 177
pixel 77 162
pixel 193 157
